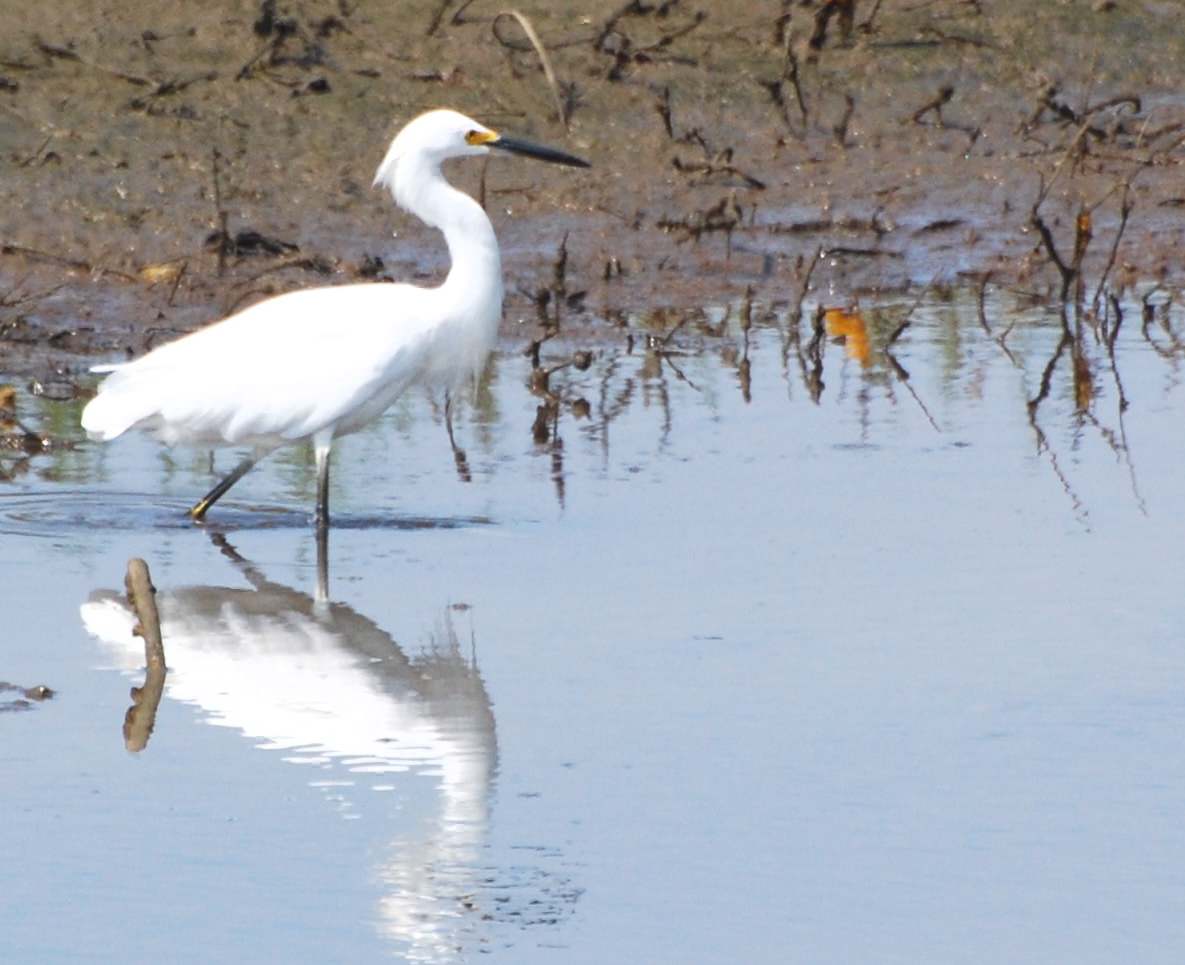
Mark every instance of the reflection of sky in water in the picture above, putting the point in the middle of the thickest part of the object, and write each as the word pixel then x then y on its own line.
pixel 882 664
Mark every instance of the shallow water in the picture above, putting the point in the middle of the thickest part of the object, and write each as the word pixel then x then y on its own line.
pixel 891 675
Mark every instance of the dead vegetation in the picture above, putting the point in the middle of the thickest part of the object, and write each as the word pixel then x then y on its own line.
pixel 167 164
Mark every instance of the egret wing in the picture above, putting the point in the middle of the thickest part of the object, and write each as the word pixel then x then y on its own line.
pixel 278 371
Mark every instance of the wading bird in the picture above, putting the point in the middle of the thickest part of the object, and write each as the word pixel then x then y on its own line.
pixel 321 363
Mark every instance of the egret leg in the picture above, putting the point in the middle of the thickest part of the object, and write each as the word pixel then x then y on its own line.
pixel 459 456
pixel 198 513
pixel 322 597
pixel 321 449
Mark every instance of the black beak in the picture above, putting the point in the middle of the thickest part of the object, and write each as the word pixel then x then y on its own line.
pixel 538 151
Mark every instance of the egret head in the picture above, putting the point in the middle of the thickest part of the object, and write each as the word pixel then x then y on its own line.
pixel 439 135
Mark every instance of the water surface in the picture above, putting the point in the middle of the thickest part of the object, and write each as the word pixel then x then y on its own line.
pixel 732 648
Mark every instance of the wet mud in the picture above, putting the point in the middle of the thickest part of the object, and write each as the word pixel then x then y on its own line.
pixel 165 164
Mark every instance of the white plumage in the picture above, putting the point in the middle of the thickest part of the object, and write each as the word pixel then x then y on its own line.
pixel 321 363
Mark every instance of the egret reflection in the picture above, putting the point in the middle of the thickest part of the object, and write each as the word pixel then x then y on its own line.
pixel 325 686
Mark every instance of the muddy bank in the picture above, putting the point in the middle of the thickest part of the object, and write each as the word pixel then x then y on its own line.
pixel 163 165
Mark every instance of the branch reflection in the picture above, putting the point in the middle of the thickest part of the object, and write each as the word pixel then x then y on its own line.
pixel 961 343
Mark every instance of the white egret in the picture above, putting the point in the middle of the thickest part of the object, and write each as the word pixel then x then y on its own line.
pixel 321 363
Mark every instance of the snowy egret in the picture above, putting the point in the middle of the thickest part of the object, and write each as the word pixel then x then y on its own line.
pixel 321 363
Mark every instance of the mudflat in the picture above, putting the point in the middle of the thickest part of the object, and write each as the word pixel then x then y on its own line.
pixel 164 164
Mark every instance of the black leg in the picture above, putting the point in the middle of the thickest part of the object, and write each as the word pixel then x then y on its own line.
pixel 322 596
pixel 321 518
pixel 198 513
pixel 459 456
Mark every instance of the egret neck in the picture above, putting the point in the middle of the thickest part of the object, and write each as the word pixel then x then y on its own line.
pixel 471 295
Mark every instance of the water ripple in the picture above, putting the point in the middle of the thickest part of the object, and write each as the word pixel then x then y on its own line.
pixel 67 511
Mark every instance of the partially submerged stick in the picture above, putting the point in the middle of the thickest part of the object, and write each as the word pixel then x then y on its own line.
pixel 141 716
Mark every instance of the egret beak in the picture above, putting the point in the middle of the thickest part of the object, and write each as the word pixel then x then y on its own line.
pixel 518 146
